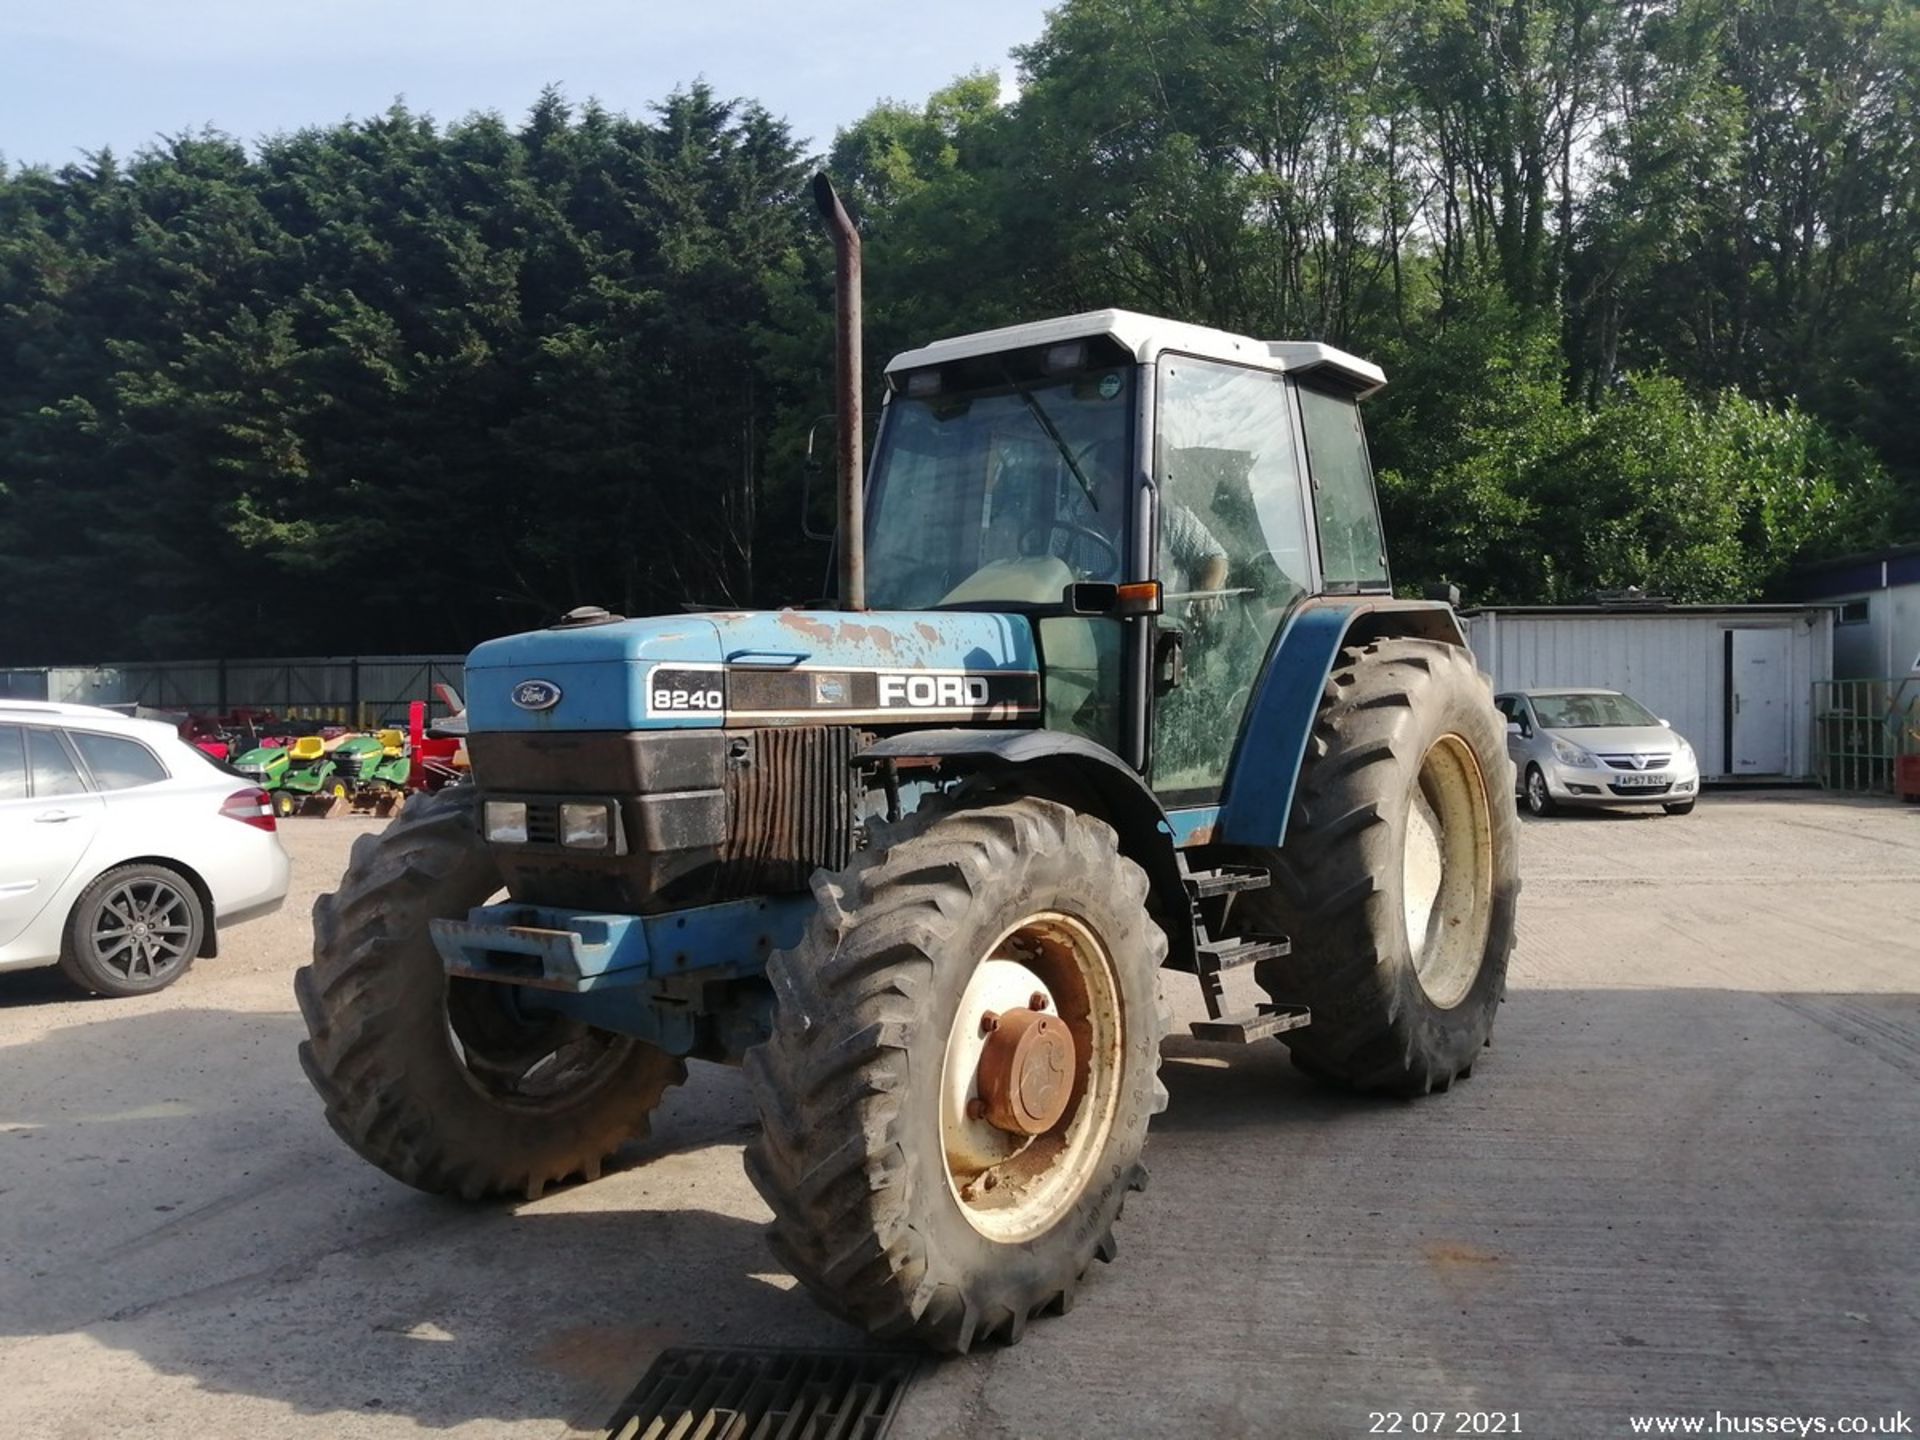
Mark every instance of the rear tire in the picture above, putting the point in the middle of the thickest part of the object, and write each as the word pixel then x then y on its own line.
pixel 433 1079
pixel 861 1114
pixel 133 931
pixel 1402 825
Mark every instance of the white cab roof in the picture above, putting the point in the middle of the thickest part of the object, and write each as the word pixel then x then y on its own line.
pixel 1147 336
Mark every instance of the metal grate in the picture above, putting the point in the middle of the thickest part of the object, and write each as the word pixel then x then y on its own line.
pixel 765 1394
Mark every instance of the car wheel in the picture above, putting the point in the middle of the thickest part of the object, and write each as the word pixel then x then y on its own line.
pixel 133 931
pixel 1539 799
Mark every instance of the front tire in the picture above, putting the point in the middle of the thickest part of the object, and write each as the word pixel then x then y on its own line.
pixel 436 1080
pixel 1539 799
pixel 1400 873
pixel 897 1201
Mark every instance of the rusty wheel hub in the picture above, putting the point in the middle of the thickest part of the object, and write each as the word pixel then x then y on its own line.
pixel 1026 1071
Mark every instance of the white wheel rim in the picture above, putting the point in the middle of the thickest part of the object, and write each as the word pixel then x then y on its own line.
pixel 1011 1187
pixel 1447 871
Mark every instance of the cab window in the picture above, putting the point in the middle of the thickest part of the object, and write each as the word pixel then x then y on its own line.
pixel 117 763
pixel 1353 553
pixel 50 769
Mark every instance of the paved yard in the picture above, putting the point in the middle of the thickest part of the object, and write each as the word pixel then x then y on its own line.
pixel 1686 1179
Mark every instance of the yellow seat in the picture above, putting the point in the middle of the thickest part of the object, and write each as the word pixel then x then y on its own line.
pixel 394 742
pixel 308 747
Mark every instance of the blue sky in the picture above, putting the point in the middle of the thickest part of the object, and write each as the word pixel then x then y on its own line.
pixel 79 74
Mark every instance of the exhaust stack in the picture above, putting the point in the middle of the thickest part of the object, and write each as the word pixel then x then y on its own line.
pixel 847 382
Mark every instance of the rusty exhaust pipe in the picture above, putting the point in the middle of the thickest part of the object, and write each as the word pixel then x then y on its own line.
pixel 847 382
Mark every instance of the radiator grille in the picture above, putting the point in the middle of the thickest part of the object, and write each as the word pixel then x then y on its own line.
pixel 790 805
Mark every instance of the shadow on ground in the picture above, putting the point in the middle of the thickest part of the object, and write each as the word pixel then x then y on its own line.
pixel 1691 1195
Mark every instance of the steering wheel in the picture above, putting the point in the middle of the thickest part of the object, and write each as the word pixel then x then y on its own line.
pixel 1108 563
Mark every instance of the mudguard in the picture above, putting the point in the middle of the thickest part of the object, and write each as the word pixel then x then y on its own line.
pixel 1257 799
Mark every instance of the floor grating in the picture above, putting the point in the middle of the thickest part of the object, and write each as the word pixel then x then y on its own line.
pixel 765 1393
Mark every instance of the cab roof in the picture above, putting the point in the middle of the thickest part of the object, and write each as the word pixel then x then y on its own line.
pixel 1148 336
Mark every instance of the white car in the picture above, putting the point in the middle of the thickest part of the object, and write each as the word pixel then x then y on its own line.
pixel 123 849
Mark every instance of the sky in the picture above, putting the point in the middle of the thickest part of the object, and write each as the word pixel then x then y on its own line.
pixel 78 75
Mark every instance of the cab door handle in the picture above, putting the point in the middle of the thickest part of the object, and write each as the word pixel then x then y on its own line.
pixel 54 817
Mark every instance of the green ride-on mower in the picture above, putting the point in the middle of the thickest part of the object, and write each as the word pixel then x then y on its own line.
pixel 1117 684
pixel 312 783
pixel 375 770
pixel 266 766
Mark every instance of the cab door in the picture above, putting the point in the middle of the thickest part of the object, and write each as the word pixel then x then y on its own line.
pixel 48 820
pixel 1234 557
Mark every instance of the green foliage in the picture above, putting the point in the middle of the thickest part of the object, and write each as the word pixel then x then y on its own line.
pixel 1646 278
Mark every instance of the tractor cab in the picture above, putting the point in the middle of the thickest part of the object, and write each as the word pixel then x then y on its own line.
pixel 1152 497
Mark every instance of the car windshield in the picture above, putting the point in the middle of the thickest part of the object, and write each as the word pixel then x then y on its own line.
pixel 1589 712
pixel 1002 493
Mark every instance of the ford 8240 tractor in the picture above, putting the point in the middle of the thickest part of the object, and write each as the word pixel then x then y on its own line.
pixel 1117 687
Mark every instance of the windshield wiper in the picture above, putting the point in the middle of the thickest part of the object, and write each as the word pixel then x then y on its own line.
pixel 1045 422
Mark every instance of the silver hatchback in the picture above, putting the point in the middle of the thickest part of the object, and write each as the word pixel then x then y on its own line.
pixel 1595 747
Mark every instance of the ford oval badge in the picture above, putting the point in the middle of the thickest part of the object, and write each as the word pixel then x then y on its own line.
pixel 536 694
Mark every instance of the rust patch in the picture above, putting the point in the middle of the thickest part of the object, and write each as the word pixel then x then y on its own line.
pixel 1452 1255
pixel 817 631
pixel 1202 835
pixel 927 632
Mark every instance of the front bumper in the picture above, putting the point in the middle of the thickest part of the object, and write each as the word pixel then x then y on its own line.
pixel 1578 785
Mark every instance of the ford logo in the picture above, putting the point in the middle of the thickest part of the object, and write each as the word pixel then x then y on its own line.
pixel 536 695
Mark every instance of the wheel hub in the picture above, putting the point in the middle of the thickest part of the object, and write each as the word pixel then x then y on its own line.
pixel 1026 1070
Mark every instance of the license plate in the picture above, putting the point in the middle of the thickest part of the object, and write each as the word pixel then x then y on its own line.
pixel 1628 782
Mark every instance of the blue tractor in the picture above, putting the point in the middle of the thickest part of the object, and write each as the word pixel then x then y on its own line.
pixel 1116 685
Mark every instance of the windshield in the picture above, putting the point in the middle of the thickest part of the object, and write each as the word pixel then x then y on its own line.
pixel 1005 493
pixel 1589 712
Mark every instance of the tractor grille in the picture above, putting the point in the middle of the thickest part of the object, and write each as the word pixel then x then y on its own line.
pixel 765 1394
pixel 790 808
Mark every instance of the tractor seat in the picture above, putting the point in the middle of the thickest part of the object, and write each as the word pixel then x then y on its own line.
pixel 308 747
pixel 394 742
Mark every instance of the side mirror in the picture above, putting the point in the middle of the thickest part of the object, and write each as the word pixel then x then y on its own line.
pixel 1514 727
pixel 813 467
pixel 1667 723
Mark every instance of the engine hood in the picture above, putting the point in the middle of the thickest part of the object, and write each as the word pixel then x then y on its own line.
pixel 707 670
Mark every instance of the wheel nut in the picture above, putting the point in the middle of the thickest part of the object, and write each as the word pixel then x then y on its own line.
pixel 976 1109
pixel 1037 1001
pixel 989 1022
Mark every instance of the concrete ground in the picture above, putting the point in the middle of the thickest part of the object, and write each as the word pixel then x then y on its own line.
pixel 1685 1179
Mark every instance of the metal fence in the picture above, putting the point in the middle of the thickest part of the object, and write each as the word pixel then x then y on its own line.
pixel 1861 727
pixel 362 690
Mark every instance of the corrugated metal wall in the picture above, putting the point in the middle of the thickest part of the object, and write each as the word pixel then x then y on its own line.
pixel 1674 664
pixel 377 687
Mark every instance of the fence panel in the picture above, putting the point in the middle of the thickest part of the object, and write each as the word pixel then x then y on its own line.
pixel 1860 728
pixel 360 690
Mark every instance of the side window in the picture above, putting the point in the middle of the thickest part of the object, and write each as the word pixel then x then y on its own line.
pixel 117 763
pixel 52 769
pixel 1233 554
pixel 1352 553
pixel 13 763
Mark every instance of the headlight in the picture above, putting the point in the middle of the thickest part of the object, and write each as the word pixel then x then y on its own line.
pixel 586 827
pixel 1573 755
pixel 506 822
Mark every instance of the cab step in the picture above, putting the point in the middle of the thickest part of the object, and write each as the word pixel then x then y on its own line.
pixel 1237 950
pixel 1226 880
pixel 1263 1023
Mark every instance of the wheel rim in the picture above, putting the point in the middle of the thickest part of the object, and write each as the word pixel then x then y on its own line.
pixel 1536 792
pixel 1012 1187
pixel 1447 871
pixel 143 930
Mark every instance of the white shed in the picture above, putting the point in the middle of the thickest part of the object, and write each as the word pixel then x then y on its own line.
pixel 1735 680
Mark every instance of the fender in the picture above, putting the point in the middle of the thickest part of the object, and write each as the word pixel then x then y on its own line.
pixel 1257 799
pixel 1055 765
